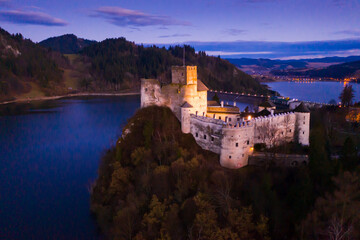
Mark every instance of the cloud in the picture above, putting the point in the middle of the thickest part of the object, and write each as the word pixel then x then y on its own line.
pixel 223 53
pixel 30 18
pixel 234 31
pixel 126 17
pixel 175 35
pixel 354 33
pixel 266 49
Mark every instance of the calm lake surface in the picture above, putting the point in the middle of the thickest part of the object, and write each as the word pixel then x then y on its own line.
pixel 322 92
pixel 49 156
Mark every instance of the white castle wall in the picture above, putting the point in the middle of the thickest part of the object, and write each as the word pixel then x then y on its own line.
pixel 207 132
pixel 303 125
pixel 274 129
pixel 237 144
pixel 173 96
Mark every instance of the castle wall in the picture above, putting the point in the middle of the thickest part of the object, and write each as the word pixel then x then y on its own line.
pixel 184 75
pixel 207 132
pixel 229 117
pixel 237 144
pixel 173 96
pixel 274 129
pixel 178 74
pixel 151 93
pixel 303 125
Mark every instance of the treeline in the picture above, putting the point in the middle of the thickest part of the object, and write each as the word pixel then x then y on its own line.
pixel 22 62
pixel 157 183
pixel 120 63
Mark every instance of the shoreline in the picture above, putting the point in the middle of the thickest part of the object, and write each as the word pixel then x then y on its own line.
pixel 19 100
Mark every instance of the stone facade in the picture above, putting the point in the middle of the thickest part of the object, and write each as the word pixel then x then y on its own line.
pixel 220 129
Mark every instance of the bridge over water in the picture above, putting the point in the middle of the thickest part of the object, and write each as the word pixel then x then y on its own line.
pixel 251 99
pixel 254 99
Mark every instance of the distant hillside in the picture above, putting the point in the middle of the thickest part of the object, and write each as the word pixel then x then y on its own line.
pixel 263 66
pixel 339 71
pixel 334 59
pixel 66 44
pixel 25 66
pixel 268 63
pixel 119 64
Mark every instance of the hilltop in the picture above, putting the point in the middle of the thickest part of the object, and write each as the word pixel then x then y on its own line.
pixel 157 183
pixel 66 44
pixel 119 64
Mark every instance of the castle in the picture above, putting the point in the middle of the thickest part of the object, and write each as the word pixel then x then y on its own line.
pixel 224 129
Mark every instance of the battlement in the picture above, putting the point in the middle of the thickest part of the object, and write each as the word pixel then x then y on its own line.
pixel 208 120
pixel 275 116
pixel 244 124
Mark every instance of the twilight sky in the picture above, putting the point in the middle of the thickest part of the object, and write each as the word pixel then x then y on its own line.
pixel 251 28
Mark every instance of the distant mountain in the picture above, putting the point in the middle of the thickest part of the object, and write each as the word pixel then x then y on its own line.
pixel 333 59
pixel 268 63
pixel 340 71
pixel 263 66
pixel 25 66
pixel 66 44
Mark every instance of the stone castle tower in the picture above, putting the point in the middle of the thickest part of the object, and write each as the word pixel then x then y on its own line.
pixel 186 94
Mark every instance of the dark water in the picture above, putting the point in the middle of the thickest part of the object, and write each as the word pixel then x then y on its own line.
pixel 322 92
pixel 49 155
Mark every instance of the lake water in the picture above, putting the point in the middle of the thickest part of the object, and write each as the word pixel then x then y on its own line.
pixel 322 92
pixel 49 155
pixel 50 151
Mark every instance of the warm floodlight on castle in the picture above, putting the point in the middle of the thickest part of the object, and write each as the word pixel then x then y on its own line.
pixel 219 128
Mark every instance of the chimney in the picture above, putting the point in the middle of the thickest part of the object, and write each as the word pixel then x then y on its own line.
pixel 222 103
pixel 234 104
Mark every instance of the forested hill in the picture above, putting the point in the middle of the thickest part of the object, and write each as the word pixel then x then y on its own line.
pixel 23 65
pixel 340 71
pixel 66 44
pixel 157 183
pixel 120 64
pixel 29 70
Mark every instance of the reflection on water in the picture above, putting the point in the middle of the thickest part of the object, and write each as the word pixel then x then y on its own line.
pixel 49 155
pixel 322 92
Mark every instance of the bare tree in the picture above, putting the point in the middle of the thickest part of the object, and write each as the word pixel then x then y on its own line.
pixel 338 230
pixel 268 133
